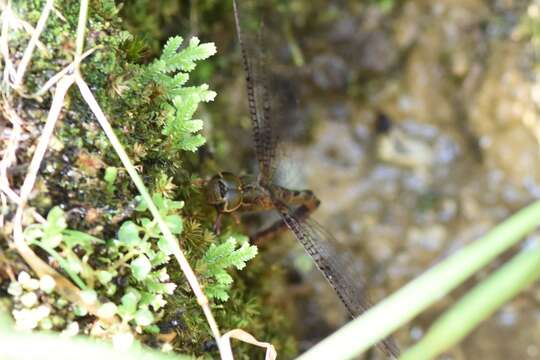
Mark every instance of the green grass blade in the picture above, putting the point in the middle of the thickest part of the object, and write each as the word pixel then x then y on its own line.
pixel 396 310
pixel 478 304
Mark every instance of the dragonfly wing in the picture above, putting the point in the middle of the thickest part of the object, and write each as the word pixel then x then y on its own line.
pixel 250 30
pixel 335 266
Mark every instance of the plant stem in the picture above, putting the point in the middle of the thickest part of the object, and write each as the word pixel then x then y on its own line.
pixel 62 262
pixel 410 300
pixel 479 303
pixel 182 261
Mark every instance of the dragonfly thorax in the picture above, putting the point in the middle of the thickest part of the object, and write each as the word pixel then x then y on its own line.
pixel 224 191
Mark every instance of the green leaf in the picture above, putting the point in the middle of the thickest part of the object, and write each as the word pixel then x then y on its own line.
pixel 141 267
pixel 129 304
pixel 150 227
pixel 111 174
pixel 220 257
pixel 191 143
pixel 52 229
pixel 160 201
pixel 193 126
pixel 152 329
pixel 72 238
pixel 159 259
pixel 33 232
pixel 105 277
pixel 128 234
pixel 217 292
pixel 153 285
pixel 107 310
pixel 174 222
pixel 183 60
pixel 171 73
pixel 157 302
pixel 174 205
pixel 243 254
pixel 165 246
pixel 144 317
pixel 225 255
pixel 73 265
pixel 141 204
pixel 51 240
pixel 56 221
pixel 171 47
pixel 223 278
pixel 80 311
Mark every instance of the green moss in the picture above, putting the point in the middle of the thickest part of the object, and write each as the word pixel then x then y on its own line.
pixel 150 104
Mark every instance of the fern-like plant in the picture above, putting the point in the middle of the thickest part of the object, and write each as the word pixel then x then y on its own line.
pixel 171 73
pixel 219 258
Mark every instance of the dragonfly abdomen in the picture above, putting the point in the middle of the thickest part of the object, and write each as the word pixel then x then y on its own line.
pixel 305 198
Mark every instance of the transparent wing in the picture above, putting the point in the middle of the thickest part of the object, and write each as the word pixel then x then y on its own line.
pixel 337 268
pixel 250 31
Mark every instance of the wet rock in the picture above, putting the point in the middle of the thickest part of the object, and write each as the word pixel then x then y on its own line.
pixel 497 115
pixel 330 72
pixel 376 54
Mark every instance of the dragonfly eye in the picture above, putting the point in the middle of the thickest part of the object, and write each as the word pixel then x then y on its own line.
pixel 233 200
pixel 224 191
pixel 222 188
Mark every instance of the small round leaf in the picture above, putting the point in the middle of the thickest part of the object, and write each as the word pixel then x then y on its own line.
pixel 141 267
pixel 129 233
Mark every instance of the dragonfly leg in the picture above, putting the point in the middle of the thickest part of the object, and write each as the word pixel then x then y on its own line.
pixel 307 202
pixel 217 223
pixel 236 217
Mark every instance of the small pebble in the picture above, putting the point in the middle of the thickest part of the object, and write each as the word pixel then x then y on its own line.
pixel 29 299
pixel 107 310
pixel 27 282
pixel 89 296
pixel 72 329
pixel 47 284
pixel 15 289
pixel 46 324
pixel 42 311
pixel 23 277
pixel 24 320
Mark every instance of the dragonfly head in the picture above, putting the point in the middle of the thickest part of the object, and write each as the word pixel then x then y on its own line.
pixel 224 191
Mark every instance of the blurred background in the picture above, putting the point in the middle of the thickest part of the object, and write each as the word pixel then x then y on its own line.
pixel 416 124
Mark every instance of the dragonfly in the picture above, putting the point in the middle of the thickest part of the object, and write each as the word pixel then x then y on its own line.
pixel 230 193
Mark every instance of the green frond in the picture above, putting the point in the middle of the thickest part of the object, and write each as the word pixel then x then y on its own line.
pixel 220 257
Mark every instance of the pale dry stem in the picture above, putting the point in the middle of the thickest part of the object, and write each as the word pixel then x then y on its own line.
pixel 27 56
pixel 178 254
pixel 20 23
pixel 9 68
pixel 9 158
pixel 59 75
pixel 64 287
